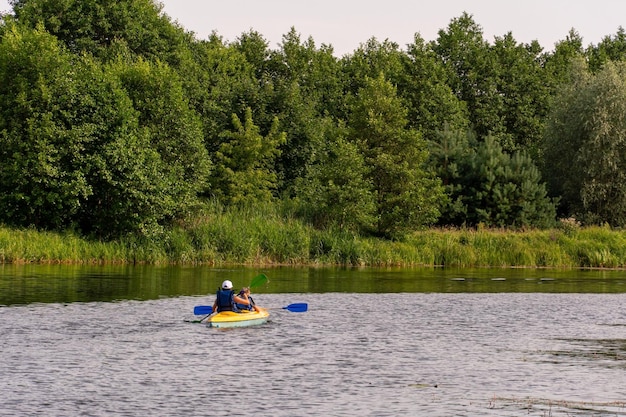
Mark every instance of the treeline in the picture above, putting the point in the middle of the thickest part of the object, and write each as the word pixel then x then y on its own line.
pixel 114 120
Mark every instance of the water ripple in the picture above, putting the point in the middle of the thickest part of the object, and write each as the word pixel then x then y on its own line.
pixel 350 354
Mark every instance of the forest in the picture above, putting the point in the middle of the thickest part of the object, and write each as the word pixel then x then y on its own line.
pixel 116 121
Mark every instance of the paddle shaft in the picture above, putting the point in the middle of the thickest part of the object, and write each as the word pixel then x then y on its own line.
pixel 202 319
pixel 294 308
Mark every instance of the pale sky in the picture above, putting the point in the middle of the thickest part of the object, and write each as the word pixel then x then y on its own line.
pixel 345 24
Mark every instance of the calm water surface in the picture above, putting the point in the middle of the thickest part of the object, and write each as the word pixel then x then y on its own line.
pixel 100 342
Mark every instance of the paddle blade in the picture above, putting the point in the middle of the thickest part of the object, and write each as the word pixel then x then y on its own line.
pixel 258 280
pixel 297 307
pixel 200 310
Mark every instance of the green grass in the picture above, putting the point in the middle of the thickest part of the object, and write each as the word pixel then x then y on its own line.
pixel 31 246
pixel 265 236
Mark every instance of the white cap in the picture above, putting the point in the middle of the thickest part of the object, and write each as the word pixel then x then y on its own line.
pixel 227 285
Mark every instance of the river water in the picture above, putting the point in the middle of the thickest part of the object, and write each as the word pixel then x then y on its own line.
pixel 373 343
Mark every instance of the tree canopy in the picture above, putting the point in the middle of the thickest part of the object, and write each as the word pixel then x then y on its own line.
pixel 585 145
pixel 115 120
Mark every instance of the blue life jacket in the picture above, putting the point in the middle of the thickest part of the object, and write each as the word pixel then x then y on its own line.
pixel 225 300
pixel 244 306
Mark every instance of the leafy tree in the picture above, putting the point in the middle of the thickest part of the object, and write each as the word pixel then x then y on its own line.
pixel 585 145
pixel 175 131
pixel 93 26
pixel 255 49
pixel 369 61
pixel 472 70
pixel 407 194
pixel 41 177
pixel 314 69
pixel 298 119
pixel 432 105
pixel 559 63
pixel 305 84
pixel 244 171
pixel 525 95
pixel 563 139
pixel 332 195
pixel 219 82
pixel 505 85
pixel 419 76
pixel 611 48
pixel 75 151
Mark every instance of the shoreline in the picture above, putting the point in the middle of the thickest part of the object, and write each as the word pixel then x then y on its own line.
pixel 289 244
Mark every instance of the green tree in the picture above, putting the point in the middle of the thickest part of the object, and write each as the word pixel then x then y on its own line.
pixel 506 190
pixel 219 82
pixel 299 120
pixel 505 86
pixel 611 48
pixel 305 85
pixel 486 185
pixel 585 145
pixel 371 59
pixel 407 194
pixel 559 63
pixel 244 166
pixel 432 105
pixel 93 26
pixel 314 69
pixel 174 129
pixel 450 154
pixel 524 92
pixel 41 177
pixel 255 48
pixel 77 154
pixel 472 70
pixel 331 195
pixel 419 76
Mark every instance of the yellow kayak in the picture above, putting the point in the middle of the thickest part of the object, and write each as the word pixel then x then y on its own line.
pixel 244 318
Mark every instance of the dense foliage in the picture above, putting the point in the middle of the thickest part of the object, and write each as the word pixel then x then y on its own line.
pixel 114 120
pixel 585 145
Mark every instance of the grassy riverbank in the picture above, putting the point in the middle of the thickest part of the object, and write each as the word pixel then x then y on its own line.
pixel 255 238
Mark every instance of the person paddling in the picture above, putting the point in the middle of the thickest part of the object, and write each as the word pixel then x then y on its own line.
pixel 245 294
pixel 226 300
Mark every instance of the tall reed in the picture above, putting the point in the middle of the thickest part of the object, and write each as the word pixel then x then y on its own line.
pixel 31 246
pixel 266 235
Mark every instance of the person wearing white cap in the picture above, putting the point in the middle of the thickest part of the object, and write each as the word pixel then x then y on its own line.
pixel 227 300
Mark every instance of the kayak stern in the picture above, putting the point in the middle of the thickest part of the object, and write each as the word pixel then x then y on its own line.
pixel 228 319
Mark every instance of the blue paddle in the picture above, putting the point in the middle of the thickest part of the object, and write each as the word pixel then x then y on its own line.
pixel 294 308
pixel 200 310
pixel 297 307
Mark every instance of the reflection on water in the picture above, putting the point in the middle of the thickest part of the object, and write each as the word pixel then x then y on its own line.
pixel 602 352
pixel 24 284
